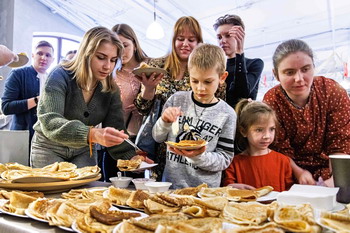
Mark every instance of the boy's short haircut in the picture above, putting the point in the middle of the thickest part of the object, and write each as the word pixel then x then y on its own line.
pixel 208 56
pixel 229 19
pixel 44 43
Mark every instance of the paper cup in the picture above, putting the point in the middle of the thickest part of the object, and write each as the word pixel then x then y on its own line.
pixel 341 176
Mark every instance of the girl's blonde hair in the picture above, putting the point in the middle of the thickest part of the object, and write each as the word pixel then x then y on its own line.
pixel 250 112
pixel 186 22
pixel 80 65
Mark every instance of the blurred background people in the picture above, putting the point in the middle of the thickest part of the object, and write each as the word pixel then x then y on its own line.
pixel 243 73
pixel 23 88
pixel 7 56
pixel 70 54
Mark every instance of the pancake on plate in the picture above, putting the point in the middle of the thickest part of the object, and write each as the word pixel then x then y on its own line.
pixel 102 220
pixel 117 196
pixel 187 144
pixel 128 165
pixel 18 203
pixel 249 213
pixel 295 218
pixel 193 191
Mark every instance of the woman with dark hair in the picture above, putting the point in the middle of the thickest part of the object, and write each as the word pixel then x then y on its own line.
pixel 313 113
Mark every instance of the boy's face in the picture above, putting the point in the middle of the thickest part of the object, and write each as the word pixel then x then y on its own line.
pixel 204 83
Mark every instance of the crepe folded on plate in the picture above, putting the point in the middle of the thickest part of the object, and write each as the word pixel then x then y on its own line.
pixel 17 166
pixel 200 211
pixel 16 174
pixel 86 172
pixel 295 218
pixel 39 207
pixel 269 227
pixel 137 198
pixel 337 221
pixel 64 213
pixel 241 195
pixel 203 225
pixel 7 194
pixel 150 223
pixel 60 166
pixel 263 190
pixel 188 143
pixel 88 193
pixel 18 203
pixel 102 220
pixel 250 213
pixel 178 200
pixel 213 192
pixel 118 196
pixel 154 207
pixel 214 203
pixel 193 191
pixel 127 227
pixel 128 165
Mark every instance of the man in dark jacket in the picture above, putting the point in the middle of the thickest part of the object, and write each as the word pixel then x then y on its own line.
pixel 22 89
pixel 244 73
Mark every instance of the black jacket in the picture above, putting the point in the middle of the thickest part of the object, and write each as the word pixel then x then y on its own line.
pixel 243 78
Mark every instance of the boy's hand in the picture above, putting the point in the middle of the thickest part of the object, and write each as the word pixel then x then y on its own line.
pixel 170 114
pixel 188 153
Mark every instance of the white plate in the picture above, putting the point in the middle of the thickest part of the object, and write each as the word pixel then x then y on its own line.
pixel 66 228
pixel 318 221
pixel 144 166
pixel 227 226
pixel 34 217
pixel 143 215
pixel 338 206
pixel 186 147
pixel 75 227
pixel 269 197
pixel 12 214
pixel 148 71
pixel 117 227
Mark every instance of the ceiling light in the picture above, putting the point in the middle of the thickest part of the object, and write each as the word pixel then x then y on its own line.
pixel 155 30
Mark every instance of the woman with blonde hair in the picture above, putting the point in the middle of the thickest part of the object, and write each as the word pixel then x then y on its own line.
pixel 79 95
pixel 187 35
